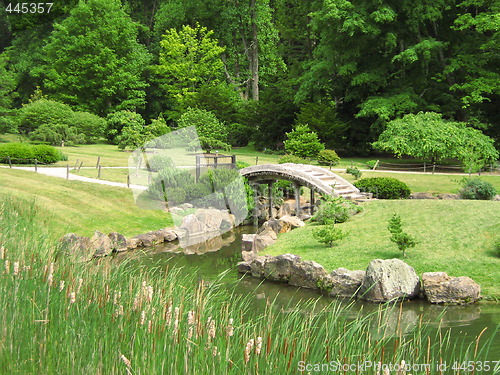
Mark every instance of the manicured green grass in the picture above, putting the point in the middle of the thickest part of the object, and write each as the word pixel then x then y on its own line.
pixel 455 236
pixel 81 207
pixel 116 175
pixel 429 183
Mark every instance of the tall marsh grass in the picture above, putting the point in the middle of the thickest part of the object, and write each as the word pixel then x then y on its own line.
pixel 110 318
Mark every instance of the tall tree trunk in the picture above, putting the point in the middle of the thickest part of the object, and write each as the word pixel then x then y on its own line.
pixel 254 53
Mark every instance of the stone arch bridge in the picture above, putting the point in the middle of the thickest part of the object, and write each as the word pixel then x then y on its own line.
pixel 317 179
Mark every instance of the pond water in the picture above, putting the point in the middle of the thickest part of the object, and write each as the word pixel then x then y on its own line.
pixel 221 254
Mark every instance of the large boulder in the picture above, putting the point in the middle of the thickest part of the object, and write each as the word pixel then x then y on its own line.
pixel 211 219
pixel 293 221
pixel 118 241
pixel 273 224
pixel 257 266
pixel 146 240
pixel 264 239
pixel 77 247
pixel 387 280
pixel 101 244
pixel 281 267
pixel 133 243
pixel 344 283
pixel 307 274
pixel 441 288
pixel 191 225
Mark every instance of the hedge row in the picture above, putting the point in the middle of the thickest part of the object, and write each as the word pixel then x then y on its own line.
pixel 24 153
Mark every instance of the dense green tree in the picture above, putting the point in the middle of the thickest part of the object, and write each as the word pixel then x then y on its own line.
pixel 91 126
pixel 323 119
pixel 117 121
pixel 189 59
pixel 7 95
pixel 93 60
pixel 303 142
pixel 212 133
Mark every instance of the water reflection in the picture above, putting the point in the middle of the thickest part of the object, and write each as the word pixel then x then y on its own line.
pixel 217 255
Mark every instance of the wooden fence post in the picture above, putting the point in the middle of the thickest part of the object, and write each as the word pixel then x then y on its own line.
pixel 128 180
pixel 99 172
pixel 376 165
pixel 98 162
pixel 256 160
pixel 10 161
pixel 433 168
pixel 36 166
pixel 67 171
pixel 425 167
pixel 80 166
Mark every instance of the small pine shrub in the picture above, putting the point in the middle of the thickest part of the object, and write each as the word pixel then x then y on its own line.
pixel 475 188
pixel 384 187
pixel 354 171
pixel 401 239
pixel 371 164
pixel 329 235
pixel 335 210
pixel 292 159
pixel 328 157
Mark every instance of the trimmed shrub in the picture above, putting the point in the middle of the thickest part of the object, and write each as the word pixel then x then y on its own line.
pixel 475 188
pixel 292 159
pixel 384 187
pixel 303 142
pixel 47 154
pixel 242 164
pixel 328 157
pixel 23 153
pixel 159 161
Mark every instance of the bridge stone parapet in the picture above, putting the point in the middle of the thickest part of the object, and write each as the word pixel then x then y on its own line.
pixel 317 179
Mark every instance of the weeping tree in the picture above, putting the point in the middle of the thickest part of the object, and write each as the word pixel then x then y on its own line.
pixel 427 135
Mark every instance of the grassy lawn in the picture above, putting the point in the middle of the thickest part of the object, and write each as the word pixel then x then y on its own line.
pixel 80 207
pixel 429 183
pixel 454 236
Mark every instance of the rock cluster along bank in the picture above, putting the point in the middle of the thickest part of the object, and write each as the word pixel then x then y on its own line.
pixel 202 225
pixel 383 280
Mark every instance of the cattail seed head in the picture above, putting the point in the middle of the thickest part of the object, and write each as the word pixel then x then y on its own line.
pixel 258 346
pixel 7 267
pixel 61 285
pixel 191 319
pixel 230 328
pixel 72 298
pixel 143 318
pixel 125 360
pixel 215 351
pixel 248 349
pixel 79 283
pixel 2 252
pixel 16 269
pixel 119 310
pixel 149 293
pixel 211 328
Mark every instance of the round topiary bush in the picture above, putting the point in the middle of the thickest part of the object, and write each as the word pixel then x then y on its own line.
pixel 328 157
pixel 384 187
pixel 292 159
pixel 475 188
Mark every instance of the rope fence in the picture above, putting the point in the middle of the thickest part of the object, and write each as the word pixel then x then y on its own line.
pixel 432 168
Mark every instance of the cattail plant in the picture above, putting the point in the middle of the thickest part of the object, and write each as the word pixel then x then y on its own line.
pixel 248 350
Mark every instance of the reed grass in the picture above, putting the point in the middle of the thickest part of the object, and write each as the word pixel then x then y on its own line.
pixel 106 317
